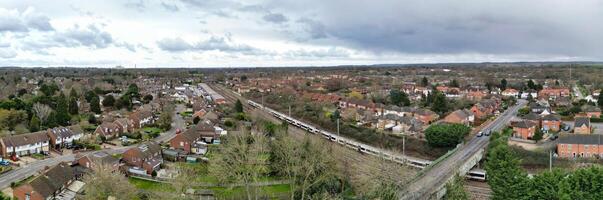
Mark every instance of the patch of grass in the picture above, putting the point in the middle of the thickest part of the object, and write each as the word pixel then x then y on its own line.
pixel 37 156
pixel 151 130
pixel 270 192
pixel 150 185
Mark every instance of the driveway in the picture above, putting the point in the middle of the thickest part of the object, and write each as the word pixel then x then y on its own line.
pixel 597 127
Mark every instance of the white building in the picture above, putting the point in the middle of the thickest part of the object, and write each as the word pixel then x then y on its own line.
pixel 25 144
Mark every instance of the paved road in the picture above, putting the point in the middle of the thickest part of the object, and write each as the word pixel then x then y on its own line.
pixel 433 179
pixel 34 167
pixel 178 123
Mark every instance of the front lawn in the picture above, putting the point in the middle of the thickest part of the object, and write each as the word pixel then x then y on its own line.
pixel 150 185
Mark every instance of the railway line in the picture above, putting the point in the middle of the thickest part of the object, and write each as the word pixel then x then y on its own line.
pixel 362 165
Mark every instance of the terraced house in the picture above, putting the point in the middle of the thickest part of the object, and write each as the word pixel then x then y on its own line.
pixel 572 146
pixel 15 146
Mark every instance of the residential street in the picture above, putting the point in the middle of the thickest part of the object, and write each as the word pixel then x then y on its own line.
pixel 32 168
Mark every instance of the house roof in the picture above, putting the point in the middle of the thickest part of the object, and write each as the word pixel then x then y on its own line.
pixel 24 139
pixel 63 132
pixel 581 139
pixel 524 124
pixel 52 179
pixel 580 121
pixel 148 149
pixel 102 157
pixel 551 117
pixel 532 116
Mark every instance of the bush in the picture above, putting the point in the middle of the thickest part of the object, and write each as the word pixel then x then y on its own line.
pixel 446 135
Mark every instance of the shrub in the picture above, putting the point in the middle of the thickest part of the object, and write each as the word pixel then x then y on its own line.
pixel 446 135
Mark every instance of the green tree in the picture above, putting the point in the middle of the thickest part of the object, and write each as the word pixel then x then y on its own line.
pixel 446 135
pixel 165 120
pixel 73 93
pixel 238 106
pixel 95 105
pixel 440 103
pixel 503 84
pixel 537 135
pixel 197 119
pixel 600 101
pixel 454 83
pixel 125 101
pixel 548 185
pixel 62 112
pixel 505 175
pixel 109 101
pixel 455 189
pixel 424 82
pixel 399 98
pixel 147 98
pixel 89 95
pixel 34 124
pixel 532 85
pixel 133 91
pixel 73 107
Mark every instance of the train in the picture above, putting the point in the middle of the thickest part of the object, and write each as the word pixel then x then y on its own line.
pixel 362 148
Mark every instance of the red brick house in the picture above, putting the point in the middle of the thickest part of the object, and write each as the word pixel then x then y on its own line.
pixel 48 185
pixel 524 129
pixel 187 140
pixel 146 155
pixel 109 130
pixel 592 111
pixel 572 146
pixel 464 116
pixel 551 122
pixel 582 125
pixel 98 158
pixel 141 117
pixel 426 116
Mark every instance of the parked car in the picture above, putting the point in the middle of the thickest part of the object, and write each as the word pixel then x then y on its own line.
pixel 4 163
pixel 480 134
pixel 488 133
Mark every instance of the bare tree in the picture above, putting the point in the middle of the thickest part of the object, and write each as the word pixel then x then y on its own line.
pixel 106 181
pixel 305 164
pixel 42 111
pixel 242 159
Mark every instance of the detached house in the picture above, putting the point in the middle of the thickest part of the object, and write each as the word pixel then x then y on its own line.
pixel 24 144
pixel 98 158
pixel 192 140
pixel 109 130
pixel 463 116
pixel 524 129
pixel 592 111
pixel 63 137
pixel 426 116
pixel 146 156
pixel 510 92
pixel 141 117
pixel 551 122
pixel 582 125
pixel 48 185
pixel 485 108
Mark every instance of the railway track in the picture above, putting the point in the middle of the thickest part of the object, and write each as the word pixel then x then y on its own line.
pixel 361 165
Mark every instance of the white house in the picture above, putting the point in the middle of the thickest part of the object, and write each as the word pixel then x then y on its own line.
pixel 24 144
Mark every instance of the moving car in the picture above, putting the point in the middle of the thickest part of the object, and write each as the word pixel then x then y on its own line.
pixel 480 134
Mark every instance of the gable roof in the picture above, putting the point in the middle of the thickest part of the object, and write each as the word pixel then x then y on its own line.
pixel 580 121
pixel 524 124
pixel 581 139
pixel 25 139
pixel 52 179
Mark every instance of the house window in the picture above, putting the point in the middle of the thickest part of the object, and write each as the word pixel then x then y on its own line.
pixel 181 143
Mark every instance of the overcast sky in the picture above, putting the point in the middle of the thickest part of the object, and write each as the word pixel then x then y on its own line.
pixel 232 33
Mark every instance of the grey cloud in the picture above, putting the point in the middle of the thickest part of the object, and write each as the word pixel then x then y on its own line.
pixel 89 36
pixel 169 7
pixel 332 52
pixel 173 44
pixel 128 46
pixel 14 21
pixel 448 27
pixel 276 18
pixel 219 43
pixel 139 5
pixel 41 23
pixel 7 53
pixel 314 29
